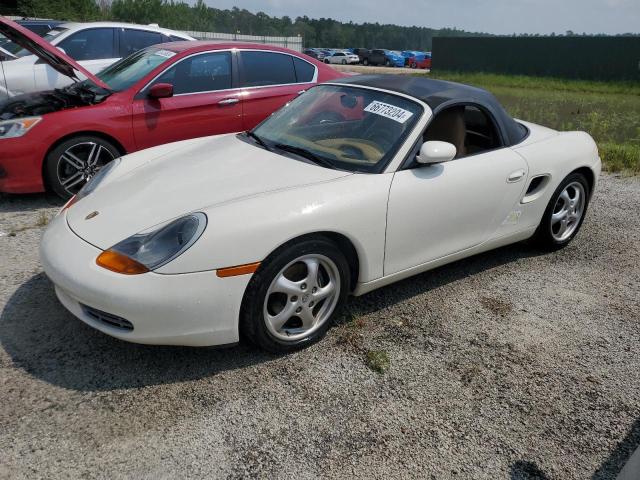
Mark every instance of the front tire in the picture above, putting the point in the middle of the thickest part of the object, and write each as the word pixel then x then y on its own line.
pixel 365 62
pixel 72 163
pixel 564 214
pixel 292 299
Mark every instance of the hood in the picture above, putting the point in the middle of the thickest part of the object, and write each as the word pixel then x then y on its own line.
pixel 153 186
pixel 46 52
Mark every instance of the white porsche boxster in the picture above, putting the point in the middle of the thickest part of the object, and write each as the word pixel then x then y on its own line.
pixel 351 186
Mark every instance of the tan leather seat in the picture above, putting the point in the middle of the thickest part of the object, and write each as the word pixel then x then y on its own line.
pixel 449 126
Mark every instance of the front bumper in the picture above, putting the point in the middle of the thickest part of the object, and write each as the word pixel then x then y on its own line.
pixel 194 309
pixel 20 166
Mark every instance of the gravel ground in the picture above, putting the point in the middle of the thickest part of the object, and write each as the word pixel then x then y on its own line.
pixel 512 364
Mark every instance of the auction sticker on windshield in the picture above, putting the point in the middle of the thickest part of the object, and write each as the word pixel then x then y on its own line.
pixel 165 53
pixel 398 114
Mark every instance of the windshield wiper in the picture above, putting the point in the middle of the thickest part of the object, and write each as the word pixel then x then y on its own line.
pixel 303 152
pixel 258 140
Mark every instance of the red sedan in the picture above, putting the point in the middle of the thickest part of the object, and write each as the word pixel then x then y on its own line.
pixel 165 93
pixel 420 61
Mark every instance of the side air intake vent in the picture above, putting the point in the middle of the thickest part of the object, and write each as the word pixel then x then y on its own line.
pixel 535 183
pixel 536 188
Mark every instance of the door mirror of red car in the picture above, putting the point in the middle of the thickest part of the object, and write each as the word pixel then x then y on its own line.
pixel 161 90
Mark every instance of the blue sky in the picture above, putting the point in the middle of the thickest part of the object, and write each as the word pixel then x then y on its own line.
pixel 494 16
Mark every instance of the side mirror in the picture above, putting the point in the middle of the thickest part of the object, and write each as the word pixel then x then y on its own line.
pixel 436 152
pixel 161 90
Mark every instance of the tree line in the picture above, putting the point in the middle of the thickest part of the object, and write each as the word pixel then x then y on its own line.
pixel 200 17
pixel 179 15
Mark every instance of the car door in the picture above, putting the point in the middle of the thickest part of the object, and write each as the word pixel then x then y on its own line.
pixel 204 102
pixel 269 80
pixel 131 40
pixel 377 57
pixel 93 48
pixel 438 210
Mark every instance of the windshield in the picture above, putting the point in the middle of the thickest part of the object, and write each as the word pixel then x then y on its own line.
pixel 18 51
pixel 347 127
pixel 121 75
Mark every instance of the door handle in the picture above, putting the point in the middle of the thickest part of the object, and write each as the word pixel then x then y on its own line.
pixel 516 176
pixel 229 101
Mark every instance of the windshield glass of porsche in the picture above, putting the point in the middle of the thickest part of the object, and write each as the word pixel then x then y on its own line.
pixel 121 75
pixel 346 127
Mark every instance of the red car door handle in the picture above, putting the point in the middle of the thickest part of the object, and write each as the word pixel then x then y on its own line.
pixel 229 101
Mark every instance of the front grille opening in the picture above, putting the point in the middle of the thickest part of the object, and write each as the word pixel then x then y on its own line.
pixel 107 318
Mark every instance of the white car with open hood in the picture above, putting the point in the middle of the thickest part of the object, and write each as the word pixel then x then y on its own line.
pixel 351 186
pixel 94 46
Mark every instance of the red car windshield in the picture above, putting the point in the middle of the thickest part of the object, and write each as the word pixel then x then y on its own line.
pixel 121 75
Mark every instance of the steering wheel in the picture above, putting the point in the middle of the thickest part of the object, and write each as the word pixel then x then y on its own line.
pixel 351 151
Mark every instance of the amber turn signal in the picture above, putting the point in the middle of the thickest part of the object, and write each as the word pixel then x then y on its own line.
pixel 237 270
pixel 119 263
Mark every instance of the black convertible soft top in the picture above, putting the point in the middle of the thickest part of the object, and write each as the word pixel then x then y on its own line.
pixel 437 93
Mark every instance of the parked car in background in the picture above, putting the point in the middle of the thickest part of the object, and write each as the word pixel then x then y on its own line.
pixel 379 56
pixel 164 93
pixel 41 27
pixel 94 45
pixel 314 53
pixel 344 58
pixel 422 60
pixel 408 54
pixel 361 52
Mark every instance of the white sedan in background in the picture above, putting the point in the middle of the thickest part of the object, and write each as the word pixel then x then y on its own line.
pixel 353 185
pixel 95 46
pixel 343 58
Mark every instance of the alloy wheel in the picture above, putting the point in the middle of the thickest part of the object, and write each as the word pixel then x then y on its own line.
pixel 79 163
pixel 302 297
pixel 568 211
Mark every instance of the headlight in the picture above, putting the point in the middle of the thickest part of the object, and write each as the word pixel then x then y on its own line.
pixel 17 127
pixel 150 250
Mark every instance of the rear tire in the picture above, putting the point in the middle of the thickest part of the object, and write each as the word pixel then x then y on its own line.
pixel 69 165
pixel 365 62
pixel 289 304
pixel 564 214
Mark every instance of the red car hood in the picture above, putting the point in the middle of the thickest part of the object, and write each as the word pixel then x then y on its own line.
pixel 45 51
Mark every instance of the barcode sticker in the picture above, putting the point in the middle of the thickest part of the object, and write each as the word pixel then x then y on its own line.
pixel 398 114
pixel 165 53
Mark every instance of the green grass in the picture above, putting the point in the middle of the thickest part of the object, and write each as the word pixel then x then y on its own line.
pixel 609 111
pixel 378 360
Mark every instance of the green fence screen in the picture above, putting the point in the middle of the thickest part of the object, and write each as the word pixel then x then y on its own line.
pixel 589 58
